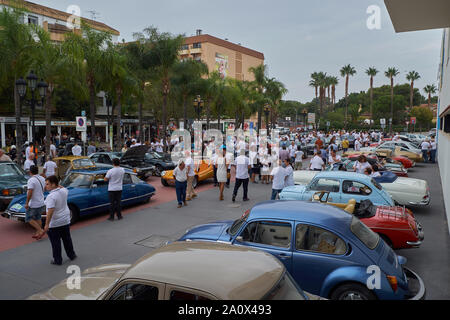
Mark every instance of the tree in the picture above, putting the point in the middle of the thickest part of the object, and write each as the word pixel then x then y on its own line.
pixel 334 81
pixel 391 73
pixel 371 72
pixel 423 115
pixel 412 76
pixel 346 72
pixel 275 90
pixel 429 90
pixel 161 59
pixel 16 56
pixel 260 75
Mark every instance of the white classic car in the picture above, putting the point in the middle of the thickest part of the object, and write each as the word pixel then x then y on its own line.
pixel 404 191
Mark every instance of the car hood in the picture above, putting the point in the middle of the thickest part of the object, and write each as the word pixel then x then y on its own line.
pixel 209 231
pixel 16 183
pixel 94 283
pixel 135 153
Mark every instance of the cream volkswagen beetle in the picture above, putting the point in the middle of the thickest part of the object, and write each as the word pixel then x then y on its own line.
pixel 404 191
pixel 187 271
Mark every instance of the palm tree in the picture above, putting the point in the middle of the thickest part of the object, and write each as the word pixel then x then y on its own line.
pixel 371 72
pixel 17 47
pixel 346 72
pixel 334 81
pixel 260 75
pixel 186 77
pixel 162 57
pixel 412 76
pixel 90 44
pixel 391 73
pixel 275 92
pixel 322 82
pixel 430 89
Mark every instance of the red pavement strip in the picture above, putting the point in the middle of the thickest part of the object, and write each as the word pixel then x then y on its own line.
pixel 14 234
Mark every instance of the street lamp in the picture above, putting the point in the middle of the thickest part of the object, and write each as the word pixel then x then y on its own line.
pixel 198 105
pixel 33 84
pixel 267 109
pixel 305 115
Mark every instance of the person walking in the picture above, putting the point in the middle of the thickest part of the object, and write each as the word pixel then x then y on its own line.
pixel 222 171
pixel 426 146
pixel 265 169
pixel 190 165
pixel 57 224
pixel 284 154
pixel 242 164
pixel 115 178
pixel 298 162
pixel 345 144
pixel 289 180
pixel 50 167
pixel 34 204
pixel 279 175
pixel 316 163
pixel 29 162
pixel 76 150
pixel 180 175
pixel 91 149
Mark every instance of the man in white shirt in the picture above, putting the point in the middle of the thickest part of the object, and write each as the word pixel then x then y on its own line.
pixel 298 159
pixel 50 167
pixel 317 163
pixel 426 146
pixel 334 158
pixel 76 150
pixel 190 167
pixel 242 164
pixel 115 178
pixel 180 175
pixel 29 162
pixel 357 145
pixel 279 174
pixel 53 150
pixel 34 205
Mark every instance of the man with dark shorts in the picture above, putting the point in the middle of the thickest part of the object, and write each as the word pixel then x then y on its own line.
pixel 35 206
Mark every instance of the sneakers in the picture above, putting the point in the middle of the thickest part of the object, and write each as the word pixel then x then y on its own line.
pixel 54 263
pixel 246 199
pixel 180 205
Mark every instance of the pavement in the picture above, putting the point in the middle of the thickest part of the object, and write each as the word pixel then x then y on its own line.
pixel 25 268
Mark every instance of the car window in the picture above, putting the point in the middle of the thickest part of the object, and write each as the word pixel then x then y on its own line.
pixel 81 163
pixel 127 179
pixel 10 171
pixel 354 187
pixel 176 295
pixel 105 159
pixel 363 233
pixel 77 180
pixel 310 238
pixel 95 158
pixel 277 234
pixel 135 179
pixel 325 185
pixel 132 291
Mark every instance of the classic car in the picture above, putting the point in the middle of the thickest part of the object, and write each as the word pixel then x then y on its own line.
pixel 186 271
pixel 389 152
pixel 343 186
pixel 13 182
pixel 204 171
pixel 105 157
pixel 407 164
pixel 326 250
pixel 145 162
pixel 397 226
pixel 88 194
pixel 404 191
pixel 67 164
pixel 396 168
pixel 404 144
pixel 161 160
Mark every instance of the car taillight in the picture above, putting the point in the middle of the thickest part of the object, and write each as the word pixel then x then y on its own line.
pixel 5 192
pixel 393 282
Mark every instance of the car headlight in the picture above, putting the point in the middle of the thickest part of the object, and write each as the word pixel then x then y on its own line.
pixel 163 174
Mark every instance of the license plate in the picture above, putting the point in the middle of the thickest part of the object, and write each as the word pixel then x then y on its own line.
pixel 14 218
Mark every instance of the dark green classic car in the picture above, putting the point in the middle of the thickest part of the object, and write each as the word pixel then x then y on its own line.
pixel 13 182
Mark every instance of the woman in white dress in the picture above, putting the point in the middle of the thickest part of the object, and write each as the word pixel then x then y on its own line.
pixel 265 170
pixel 222 173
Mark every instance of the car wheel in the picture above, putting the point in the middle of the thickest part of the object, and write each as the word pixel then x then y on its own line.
pixel 352 291
pixel 74 214
pixel 195 182
pixel 386 239
pixel 158 170
pixel 164 182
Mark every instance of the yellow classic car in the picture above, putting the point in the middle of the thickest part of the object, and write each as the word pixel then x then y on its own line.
pixel 204 171
pixel 389 153
pixel 68 163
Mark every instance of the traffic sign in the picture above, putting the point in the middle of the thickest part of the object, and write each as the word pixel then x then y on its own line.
pixel 383 122
pixel 81 124
pixel 328 123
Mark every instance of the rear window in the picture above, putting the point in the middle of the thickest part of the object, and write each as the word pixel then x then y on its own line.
pixel 363 233
pixel 237 225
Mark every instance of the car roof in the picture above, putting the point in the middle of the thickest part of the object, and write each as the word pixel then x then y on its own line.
pixel 71 158
pixel 304 211
pixel 96 170
pixel 227 272
pixel 342 175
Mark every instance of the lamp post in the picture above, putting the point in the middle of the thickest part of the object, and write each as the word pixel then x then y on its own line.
pixel 305 115
pixel 267 110
pixel 32 84
pixel 198 105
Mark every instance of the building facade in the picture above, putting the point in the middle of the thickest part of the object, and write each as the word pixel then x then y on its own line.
pixel 229 59
pixel 413 15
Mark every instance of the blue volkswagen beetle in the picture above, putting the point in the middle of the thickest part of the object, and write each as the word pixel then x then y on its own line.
pixel 88 194
pixel 343 186
pixel 328 252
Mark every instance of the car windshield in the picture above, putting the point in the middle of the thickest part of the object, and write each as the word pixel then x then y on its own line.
pixel 285 289
pixel 363 233
pixel 10 171
pixel 78 180
pixel 116 155
pixel 82 163
pixel 237 225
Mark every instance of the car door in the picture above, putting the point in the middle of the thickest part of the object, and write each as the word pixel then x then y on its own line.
pixel 316 253
pixel 272 236
pixel 99 194
pixel 352 189
pixel 325 184
pixel 129 193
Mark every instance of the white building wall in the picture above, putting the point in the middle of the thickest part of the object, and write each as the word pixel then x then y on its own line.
pixel 444 138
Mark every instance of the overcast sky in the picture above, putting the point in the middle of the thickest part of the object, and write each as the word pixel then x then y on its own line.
pixel 297 37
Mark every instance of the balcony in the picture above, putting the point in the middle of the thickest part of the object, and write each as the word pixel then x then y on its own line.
pixel 183 52
pixel 196 51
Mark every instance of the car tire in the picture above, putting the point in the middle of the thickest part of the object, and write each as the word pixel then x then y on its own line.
pixel 386 239
pixel 352 291
pixel 158 170
pixel 164 182
pixel 74 214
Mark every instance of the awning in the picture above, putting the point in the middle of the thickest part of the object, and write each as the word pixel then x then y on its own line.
pixel 414 15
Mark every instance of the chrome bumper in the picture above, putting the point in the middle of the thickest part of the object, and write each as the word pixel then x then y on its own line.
pixel 415 284
pixel 423 202
pixel 16 216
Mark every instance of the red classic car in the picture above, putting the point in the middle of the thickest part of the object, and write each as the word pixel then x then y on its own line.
pixel 407 163
pixel 395 225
